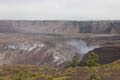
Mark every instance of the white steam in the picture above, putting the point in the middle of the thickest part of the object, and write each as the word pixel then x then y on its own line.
pixel 81 46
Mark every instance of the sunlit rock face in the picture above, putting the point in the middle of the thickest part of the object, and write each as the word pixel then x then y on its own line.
pixel 52 49
pixel 60 26
pixel 41 51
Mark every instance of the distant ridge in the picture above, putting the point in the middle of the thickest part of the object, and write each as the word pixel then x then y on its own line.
pixel 60 26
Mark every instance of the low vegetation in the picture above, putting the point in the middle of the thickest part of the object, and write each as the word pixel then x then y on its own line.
pixel 90 72
pixel 93 65
pixel 29 72
pixel 75 60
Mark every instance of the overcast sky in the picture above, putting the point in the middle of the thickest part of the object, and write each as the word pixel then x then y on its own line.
pixel 60 9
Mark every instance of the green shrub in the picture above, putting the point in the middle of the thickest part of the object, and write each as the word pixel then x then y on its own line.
pixel 92 64
pixel 75 60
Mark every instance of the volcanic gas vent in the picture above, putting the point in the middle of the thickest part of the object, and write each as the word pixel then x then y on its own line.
pixel 81 46
pixel 36 51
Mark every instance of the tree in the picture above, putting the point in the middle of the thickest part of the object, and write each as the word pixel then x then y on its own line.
pixel 75 60
pixel 92 60
pixel 92 64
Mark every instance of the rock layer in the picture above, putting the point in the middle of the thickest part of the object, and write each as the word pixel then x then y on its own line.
pixel 60 26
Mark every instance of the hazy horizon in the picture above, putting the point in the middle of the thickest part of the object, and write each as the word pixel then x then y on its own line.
pixel 78 10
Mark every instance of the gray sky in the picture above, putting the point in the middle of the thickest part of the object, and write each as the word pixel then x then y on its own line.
pixel 60 9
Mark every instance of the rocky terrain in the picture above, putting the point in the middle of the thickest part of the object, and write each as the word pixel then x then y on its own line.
pixel 39 49
pixel 60 26
pixel 106 55
pixel 56 42
pixel 55 49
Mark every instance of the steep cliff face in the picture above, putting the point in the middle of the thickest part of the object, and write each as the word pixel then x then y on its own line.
pixel 57 50
pixel 60 26
pixel 40 49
